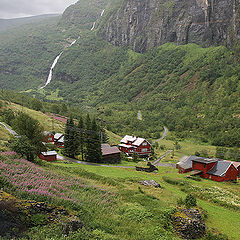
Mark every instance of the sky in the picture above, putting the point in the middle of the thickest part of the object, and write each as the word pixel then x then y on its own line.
pixel 26 8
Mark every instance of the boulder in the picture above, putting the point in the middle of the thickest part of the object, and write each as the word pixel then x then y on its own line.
pixel 150 183
pixel 188 223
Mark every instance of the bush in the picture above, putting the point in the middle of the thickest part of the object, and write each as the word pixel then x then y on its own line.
pixel 190 201
pixel 39 219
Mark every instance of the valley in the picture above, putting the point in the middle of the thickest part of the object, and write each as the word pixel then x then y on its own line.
pixel 165 72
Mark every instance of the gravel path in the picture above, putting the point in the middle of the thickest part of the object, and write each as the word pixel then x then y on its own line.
pixel 9 129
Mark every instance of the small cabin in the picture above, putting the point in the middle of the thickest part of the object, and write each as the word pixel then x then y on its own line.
pixel 48 137
pixel 48 156
pixel 110 154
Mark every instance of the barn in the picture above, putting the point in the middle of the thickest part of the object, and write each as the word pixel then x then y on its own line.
pixel 110 154
pixel 216 170
pixel 48 156
pixel 185 164
pixel 236 164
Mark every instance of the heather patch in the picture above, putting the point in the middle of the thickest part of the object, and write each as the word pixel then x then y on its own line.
pixel 27 178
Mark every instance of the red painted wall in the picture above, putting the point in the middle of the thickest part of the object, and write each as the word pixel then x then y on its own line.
pixel 139 149
pixel 230 175
pixel 48 158
pixel 200 166
pixel 49 138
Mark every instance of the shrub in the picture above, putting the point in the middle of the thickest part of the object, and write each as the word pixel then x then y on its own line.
pixel 190 200
pixel 39 219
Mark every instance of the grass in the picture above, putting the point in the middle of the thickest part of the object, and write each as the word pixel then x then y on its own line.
pixel 4 137
pixel 47 122
pixel 114 139
pixel 223 219
pixel 188 147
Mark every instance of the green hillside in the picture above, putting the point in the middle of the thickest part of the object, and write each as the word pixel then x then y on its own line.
pixel 194 91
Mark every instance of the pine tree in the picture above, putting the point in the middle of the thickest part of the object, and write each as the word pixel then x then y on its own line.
pixel 93 141
pixel 69 139
pixel 97 150
pixel 80 136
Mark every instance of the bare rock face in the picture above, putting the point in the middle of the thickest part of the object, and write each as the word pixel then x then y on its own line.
pixel 145 24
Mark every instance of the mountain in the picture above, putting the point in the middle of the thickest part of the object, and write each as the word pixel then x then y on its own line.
pixel 147 24
pixel 194 90
pixel 6 24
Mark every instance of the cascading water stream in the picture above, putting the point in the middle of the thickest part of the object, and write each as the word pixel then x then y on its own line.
pixel 49 79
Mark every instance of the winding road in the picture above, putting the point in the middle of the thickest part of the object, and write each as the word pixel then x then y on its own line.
pixel 163 136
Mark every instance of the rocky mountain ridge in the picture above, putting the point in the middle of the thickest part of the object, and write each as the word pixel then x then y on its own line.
pixel 147 24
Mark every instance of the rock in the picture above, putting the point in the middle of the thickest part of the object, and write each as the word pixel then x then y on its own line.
pixel 188 223
pixel 150 183
pixel 147 24
pixel 71 225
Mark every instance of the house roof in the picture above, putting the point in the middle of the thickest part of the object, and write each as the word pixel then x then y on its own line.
pixel 236 164
pixel 138 141
pixel 50 153
pixel 220 168
pixel 205 160
pixel 105 145
pixel 186 161
pixel 128 138
pixel 126 146
pixel 61 140
pixel 57 136
pixel 110 150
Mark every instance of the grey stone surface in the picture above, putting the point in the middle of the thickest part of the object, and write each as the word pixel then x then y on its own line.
pixel 146 24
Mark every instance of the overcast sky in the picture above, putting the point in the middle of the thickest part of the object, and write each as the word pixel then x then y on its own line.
pixel 25 8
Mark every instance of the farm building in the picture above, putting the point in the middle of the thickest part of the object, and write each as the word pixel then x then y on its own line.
pixel 130 145
pixel 59 140
pixel 185 164
pixel 217 170
pixel 110 154
pixel 214 169
pixel 48 156
pixel 49 137
pixel 236 164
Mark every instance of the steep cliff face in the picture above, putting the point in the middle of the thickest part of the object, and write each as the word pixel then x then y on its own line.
pixel 145 24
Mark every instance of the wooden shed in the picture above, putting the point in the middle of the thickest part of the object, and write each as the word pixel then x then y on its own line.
pixel 48 156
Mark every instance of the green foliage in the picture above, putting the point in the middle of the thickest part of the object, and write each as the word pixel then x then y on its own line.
pixel 24 147
pixel 190 201
pixel 39 219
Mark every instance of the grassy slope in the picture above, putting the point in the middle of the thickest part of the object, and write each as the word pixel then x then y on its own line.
pixel 218 217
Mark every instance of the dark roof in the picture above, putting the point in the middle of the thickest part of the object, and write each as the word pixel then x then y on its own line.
pixel 105 145
pixel 110 150
pixel 205 160
pixel 186 162
pixel 220 168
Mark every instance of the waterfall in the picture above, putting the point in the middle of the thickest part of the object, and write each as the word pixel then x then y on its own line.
pixel 49 79
pixel 102 12
pixel 93 26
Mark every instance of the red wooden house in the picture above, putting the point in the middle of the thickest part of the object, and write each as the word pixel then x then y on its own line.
pixel 214 169
pixel 49 137
pixel 48 156
pixel 59 140
pixel 130 144
pixel 236 164
pixel 185 164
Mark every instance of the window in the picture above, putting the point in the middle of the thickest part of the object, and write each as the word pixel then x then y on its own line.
pixel 144 149
pixel 144 144
pixel 204 165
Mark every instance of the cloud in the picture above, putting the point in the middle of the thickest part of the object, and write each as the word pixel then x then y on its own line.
pixel 22 8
